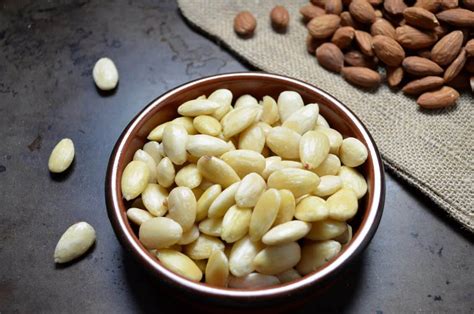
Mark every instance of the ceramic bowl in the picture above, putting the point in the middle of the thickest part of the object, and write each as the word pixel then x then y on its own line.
pixel 257 84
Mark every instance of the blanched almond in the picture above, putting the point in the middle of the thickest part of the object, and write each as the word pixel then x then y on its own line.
pixel 211 227
pixel 179 263
pixel 182 207
pixel 250 189
pixel 330 166
pixel 206 145
pixel 237 120
pixel 138 216
pixel 157 133
pixel 159 232
pixel 270 112
pixel 203 246
pixel 244 161
pixel 275 259
pixel 175 138
pixel 62 156
pixel 135 178
pixel 241 256
pixel 287 232
pixel 284 142
pixel 235 224
pixel 74 242
pixel 352 179
pixel 298 181
pixel 206 199
pixel 288 102
pixel 197 107
pixel 312 208
pixel 207 125
pixel 224 98
pixel 353 152
pixel 245 100
pixel 342 204
pixel 217 269
pixel 223 201
pixel 187 123
pixel 165 172
pixel 188 176
pixel 154 150
pixel 303 120
pixel 288 275
pixel 287 207
pixel 314 149
pixel 328 186
pixel 189 236
pixel 264 214
pixel 252 138
pixel 315 255
pixel 217 171
pixel 326 229
pixel 154 198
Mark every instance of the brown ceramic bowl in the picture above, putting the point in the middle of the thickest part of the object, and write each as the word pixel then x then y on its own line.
pixel 257 84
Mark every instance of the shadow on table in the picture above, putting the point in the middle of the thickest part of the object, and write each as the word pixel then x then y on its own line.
pixel 152 296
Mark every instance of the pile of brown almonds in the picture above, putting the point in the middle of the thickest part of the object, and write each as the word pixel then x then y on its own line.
pixel 427 48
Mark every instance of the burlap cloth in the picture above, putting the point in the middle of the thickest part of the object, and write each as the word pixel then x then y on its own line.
pixel 431 150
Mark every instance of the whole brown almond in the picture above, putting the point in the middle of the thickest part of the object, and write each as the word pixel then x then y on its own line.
pixel 412 38
pixel 310 11
pixel 362 11
pixel 421 66
pixel 470 48
pixel 421 18
pixel 447 48
pixel 394 7
pixel 430 5
pixel 422 85
pixel 364 40
pixel 457 17
pixel 280 18
pixel 333 7
pixel 449 4
pixel 330 57
pixel 358 59
pixel 456 66
pixel 343 36
pixel 394 76
pixel 444 97
pixel 245 24
pixel 347 20
pixel 375 2
pixel 382 27
pixel 324 26
pixel 388 50
pixel 363 77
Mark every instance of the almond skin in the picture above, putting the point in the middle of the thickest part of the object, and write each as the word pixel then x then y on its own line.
pixel 330 57
pixel 412 38
pixel 245 24
pixel 422 85
pixel 347 20
pixel 343 36
pixel 444 97
pixel 362 77
pixel 457 17
pixel 280 18
pixel 333 7
pixel 362 11
pixel 382 27
pixel 456 66
pixel 388 50
pixel 420 18
pixel 421 66
pixel 310 11
pixel 364 40
pixel 324 26
pixel 445 50
pixel 394 76
pixel 449 4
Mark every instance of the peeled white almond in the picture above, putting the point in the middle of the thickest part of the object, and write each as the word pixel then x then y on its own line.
pixel 77 239
pixel 62 156
pixel 105 74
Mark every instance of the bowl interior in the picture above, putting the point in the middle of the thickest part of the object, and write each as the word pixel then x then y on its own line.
pixel 258 85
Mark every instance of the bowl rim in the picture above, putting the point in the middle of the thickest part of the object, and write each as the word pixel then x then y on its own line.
pixel 364 235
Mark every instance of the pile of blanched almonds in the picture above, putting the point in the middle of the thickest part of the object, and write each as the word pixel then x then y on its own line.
pixel 250 195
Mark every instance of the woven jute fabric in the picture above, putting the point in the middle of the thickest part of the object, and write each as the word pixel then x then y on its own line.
pixel 431 150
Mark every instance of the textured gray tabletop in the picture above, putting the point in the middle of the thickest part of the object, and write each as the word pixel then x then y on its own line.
pixel 419 261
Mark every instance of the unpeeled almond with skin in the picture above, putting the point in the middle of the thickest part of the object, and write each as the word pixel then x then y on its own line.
pixel 444 97
pixel 330 57
pixel 388 50
pixel 361 76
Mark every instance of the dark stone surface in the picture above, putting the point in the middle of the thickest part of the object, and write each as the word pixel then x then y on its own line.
pixel 418 261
